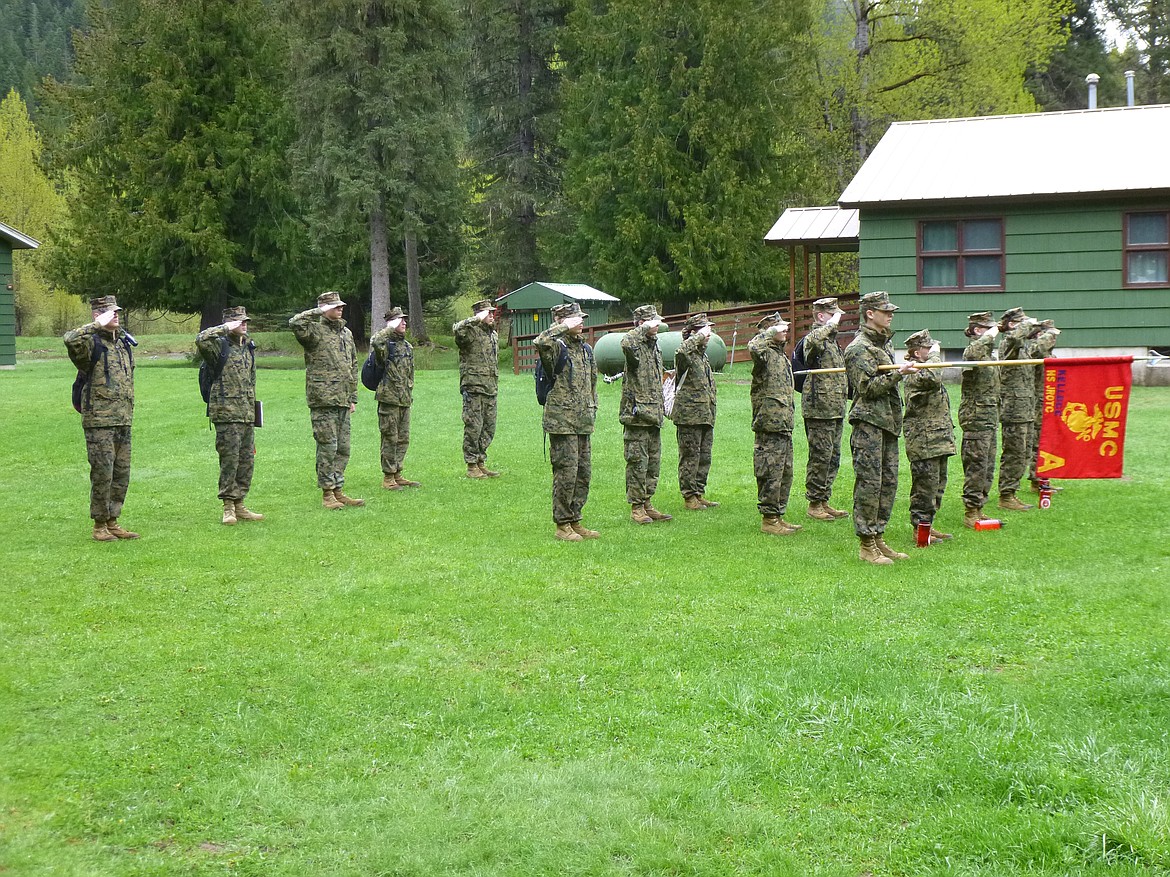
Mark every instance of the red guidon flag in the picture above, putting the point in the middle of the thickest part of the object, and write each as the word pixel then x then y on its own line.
pixel 1083 429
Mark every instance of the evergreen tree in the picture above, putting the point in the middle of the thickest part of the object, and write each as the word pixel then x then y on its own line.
pixel 177 136
pixel 35 42
pixel 377 92
pixel 1060 85
pixel 678 122
pixel 1146 25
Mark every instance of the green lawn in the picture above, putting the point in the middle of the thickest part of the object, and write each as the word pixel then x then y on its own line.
pixel 432 685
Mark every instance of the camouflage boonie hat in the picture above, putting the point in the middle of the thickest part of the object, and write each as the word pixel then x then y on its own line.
pixel 876 301
pixel 484 304
pixel 695 322
pixel 104 303
pixel 982 319
pixel 1046 324
pixel 646 314
pixel 393 314
pixel 773 319
pixel 230 314
pixel 919 339
pixel 1013 315
pixel 566 310
pixel 329 300
pixel 827 306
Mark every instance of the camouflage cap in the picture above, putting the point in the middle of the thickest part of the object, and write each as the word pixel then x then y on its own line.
pixel 1046 324
pixel 773 319
pixel 919 339
pixel 695 322
pixel 103 303
pixel 827 306
pixel 876 301
pixel 647 314
pixel 1013 315
pixel 981 318
pixel 231 314
pixel 567 309
pixel 393 314
pixel 328 300
pixel 484 304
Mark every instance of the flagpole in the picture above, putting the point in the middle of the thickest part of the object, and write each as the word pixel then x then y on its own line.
pixel 973 363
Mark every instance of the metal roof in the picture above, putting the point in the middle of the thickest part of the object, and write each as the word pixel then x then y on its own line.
pixel 828 229
pixel 18 240
pixel 1088 153
pixel 575 291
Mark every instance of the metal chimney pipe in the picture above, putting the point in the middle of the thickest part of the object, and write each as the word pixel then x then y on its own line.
pixel 1129 88
pixel 1092 79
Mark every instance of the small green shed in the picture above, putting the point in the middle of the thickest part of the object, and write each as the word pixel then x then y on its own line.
pixel 10 239
pixel 529 305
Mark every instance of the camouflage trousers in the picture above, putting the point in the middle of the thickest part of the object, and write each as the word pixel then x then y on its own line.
pixel 331 432
pixel 235 444
pixel 642 448
pixel 1034 450
pixel 978 450
pixel 824 457
pixel 928 483
pixel 875 469
pixel 394 426
pixel 694 458
pixel 572 468
pixel 772 463
pixel 108 450
pixel 479 426
pixel 1016 442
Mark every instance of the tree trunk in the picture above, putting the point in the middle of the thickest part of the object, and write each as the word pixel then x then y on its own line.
pixel 213 305
pixel 418 323
pixel 379 267
pixel 525 216
pixel 857 119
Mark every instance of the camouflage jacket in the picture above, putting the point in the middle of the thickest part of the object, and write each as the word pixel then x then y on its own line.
pixel 108 398
pixel 979 403
pixel 773 407
pixel 927 424
pixel 1017 383
pixel 233 395
pixel 824 396
pixel 1040 347
pixel 571 406
pixel 694 385
pixel 331 366
pixel 479 356
pixel 641 403
pixel 876 399
pixel 394 354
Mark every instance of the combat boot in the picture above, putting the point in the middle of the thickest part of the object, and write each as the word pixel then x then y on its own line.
pixel 708 503
pixel 473 471
pixel 346 500
pixel 406 482
pixel 117 532
pixel 773 526
pixel 935 535
pixel 818 512
pixel 694 504
pixel 870 553
pixel 971 515
pixel 245 514
pixel 390 482
pixel 566 533
pixel 488 473
pixel 101 534
pixel 1012 503
pixel 229 512
pixel 836 513
pixel 795 528
pixel 886 550
pixel 656 515
pixel 329 501
pixel 638 514
pixel 584 532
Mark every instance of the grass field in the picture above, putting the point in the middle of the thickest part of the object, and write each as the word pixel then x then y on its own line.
pixel 432 685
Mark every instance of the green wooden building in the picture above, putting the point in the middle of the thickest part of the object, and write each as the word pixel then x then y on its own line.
pixel 528 307
pixel 10 239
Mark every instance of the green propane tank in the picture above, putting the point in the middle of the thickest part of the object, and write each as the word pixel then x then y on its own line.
pixel 610 361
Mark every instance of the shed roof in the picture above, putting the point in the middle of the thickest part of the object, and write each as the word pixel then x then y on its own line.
pixel 829 229
pixel 575 291
pixel 18 240
pixel 1086 153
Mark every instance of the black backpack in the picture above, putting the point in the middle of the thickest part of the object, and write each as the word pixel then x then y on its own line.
pixel 372 373
pixel 799 364
pixel 82 380
pixel 209 374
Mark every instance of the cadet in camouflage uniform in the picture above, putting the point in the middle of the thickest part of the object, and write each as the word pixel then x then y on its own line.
pixel 929 432
pixel 331 370
pixel 102 350
pixel 979 416
pixel 395 356
pixel 694 412
pixel 231 406
pixel 641 413
pixel 569 414
pixel 876 417
pixel 1041 345
pixel 822 405
pixel 1017 407
pixel 479 366
pixel 773 413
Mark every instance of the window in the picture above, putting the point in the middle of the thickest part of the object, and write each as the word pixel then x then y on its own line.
pixel 960 254
pixel 1147 250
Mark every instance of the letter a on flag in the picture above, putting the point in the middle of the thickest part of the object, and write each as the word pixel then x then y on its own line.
pixel 1083 428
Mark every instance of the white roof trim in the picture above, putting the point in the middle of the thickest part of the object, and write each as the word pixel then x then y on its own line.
pixel 575 291
pixel 827 227
pixel 18 240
